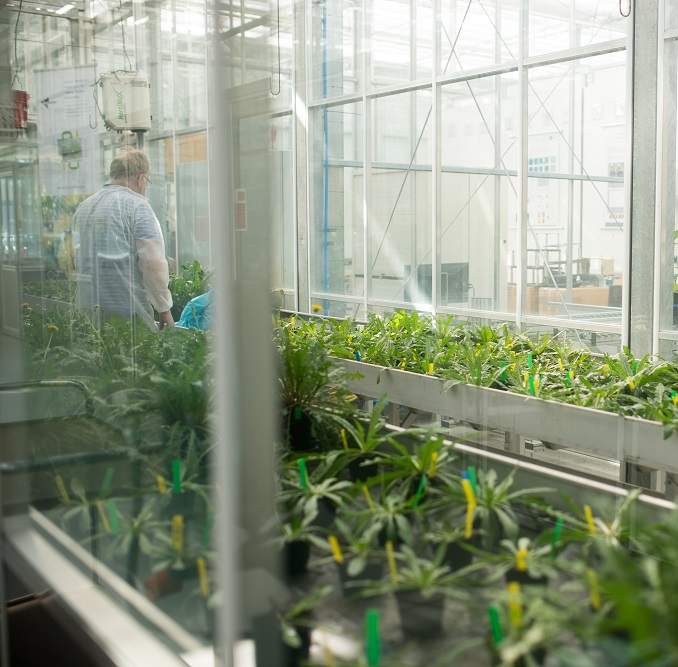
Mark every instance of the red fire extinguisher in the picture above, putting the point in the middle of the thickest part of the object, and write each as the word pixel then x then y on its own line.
pixel 20 109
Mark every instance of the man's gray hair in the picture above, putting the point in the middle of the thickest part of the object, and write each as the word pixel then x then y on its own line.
pixel 129 164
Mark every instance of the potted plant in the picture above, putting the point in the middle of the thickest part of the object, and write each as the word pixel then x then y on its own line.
pixel 284 638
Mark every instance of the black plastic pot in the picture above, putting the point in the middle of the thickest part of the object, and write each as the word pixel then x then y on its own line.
pixel 372 572
pixel 327 511
pixel 358 473
pixel 271 651
pixel 456 556
pixel 420 617
pixel 524 578
pixel 299 429
pixel 296 555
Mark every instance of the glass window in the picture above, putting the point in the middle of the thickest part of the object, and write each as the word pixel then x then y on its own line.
pixel 576 207
pixel 399 199
pixel 337 229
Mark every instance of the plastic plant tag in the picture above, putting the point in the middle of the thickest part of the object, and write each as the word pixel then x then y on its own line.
pixel 103 516
pixel 176 476
pixel 530 360
pixel 674 397
pixel 430 369
pixel 531 385
pixel 432 466
pixel 337 553
pixel 594 589
pixel 468 490
pixel 344 441
pixel 495 626
pixel 526 379
pixel 568 379
pixel 588 514
pixel 515 604
pixel 297 413
pixel 561 365
pixel 521 560
pixel 178 533
pixel 372 638
pixel 473 478
pixel 61 488
pixel 113 516
pixel 392 565
pixel 555 536
pixel 421 489
pixel 303 474
pixel 161 484
pixel 107 483
pixel 203 580
pixel 368 497
pixel 357 356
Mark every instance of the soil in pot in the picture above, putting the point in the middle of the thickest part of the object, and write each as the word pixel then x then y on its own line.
pixel 420 617
pixel 296 555
pixel 271 650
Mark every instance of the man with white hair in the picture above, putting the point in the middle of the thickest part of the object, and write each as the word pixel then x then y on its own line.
pixel 119 248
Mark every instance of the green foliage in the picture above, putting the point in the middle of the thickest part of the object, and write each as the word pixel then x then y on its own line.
pixel 192 281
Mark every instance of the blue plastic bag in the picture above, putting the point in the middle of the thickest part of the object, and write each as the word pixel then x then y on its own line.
pixel 197 313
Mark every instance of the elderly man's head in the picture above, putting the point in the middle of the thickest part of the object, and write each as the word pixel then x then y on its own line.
pixel 130 168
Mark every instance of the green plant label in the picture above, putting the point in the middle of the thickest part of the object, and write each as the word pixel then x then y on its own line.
pixel 107 483
pixel 297 413
pixel 473 478
pixel 495 626
pixel 113 516
pixel 303 474
pixel 176 476
pixel 372 638
pixel 555 536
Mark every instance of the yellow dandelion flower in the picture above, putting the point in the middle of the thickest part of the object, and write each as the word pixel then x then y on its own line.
pixel 52 328
pixel 316 308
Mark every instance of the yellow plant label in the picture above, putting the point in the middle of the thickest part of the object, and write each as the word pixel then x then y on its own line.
pixel 392 565
pixel 468 492
pixel 594 589
pixel 178 532
pixel 561 365
pixel 515 604
pixel 202 577
pixel 432 465
pixel 521 560
pixel 468 527
pixel 368 497
pixel 337 553
pixel 103 515
pixel 430 369
pixel 61 488
pixel 588 514
pixel 162 485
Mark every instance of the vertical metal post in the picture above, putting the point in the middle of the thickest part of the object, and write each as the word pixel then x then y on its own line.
pixel 643 205
pixel 569 241
pixel 521 286
pixel 499 282
pixel 367 149
pixel 301 153
pixel 436 149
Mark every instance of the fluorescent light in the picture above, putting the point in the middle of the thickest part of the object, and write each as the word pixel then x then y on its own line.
pixel 64 9
pixel 141 21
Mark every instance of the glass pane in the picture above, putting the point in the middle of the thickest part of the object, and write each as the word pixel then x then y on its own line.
pixel 668 259
pixel 477 34
pixel 479 123
pixel 574 23
pixel 399 200
pixel 576 153
pixel 335 52
pixel 337 232
pixel 401 46
pixel 478 241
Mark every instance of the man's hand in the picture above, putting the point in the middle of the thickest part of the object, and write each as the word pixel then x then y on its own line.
pixel 166 320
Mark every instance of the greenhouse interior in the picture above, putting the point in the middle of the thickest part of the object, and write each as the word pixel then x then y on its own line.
pixel 339 333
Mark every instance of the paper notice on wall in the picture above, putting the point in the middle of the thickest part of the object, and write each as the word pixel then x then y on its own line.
pixel 69 148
